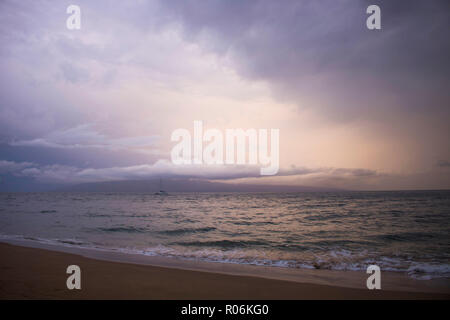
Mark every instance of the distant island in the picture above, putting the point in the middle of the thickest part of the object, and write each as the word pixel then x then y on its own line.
pixel 186 185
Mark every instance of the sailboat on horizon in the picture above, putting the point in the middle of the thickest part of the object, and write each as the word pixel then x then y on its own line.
pixel 161 191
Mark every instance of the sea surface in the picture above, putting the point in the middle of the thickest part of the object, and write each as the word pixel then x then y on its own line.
pixel 405 231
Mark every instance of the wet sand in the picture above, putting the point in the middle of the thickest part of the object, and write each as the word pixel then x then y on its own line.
pixel 32 273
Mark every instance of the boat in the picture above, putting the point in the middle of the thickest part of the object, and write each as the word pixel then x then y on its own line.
pixel 161 191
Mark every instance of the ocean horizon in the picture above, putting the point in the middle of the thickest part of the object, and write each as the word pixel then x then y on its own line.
pixel 400 231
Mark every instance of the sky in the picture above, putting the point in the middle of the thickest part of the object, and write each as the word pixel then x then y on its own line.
pixel 356 109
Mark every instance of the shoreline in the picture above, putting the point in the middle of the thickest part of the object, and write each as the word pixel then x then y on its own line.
pixel 39 273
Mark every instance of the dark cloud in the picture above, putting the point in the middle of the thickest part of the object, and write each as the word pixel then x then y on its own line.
pixel 324 48
pixel 56 173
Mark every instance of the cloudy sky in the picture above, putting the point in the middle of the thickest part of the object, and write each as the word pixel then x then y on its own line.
pixel 356 108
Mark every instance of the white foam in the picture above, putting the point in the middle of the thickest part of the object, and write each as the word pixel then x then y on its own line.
pixel 333 260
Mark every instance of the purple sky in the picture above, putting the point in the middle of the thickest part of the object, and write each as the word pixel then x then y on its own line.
pixel 356 108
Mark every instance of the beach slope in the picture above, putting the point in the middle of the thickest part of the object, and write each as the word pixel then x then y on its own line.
pixel 30 273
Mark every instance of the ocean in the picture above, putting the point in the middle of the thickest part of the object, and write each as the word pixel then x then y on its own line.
pixel 404 231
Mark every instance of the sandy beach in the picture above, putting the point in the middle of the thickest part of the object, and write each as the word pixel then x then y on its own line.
pixel 32 273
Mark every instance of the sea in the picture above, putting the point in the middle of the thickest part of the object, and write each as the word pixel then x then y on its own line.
pixel 403 231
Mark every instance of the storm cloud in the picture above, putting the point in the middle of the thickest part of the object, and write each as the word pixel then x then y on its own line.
pixel 324 48
pixel 356 108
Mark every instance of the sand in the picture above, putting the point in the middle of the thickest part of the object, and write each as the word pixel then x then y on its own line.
pixel 32 273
